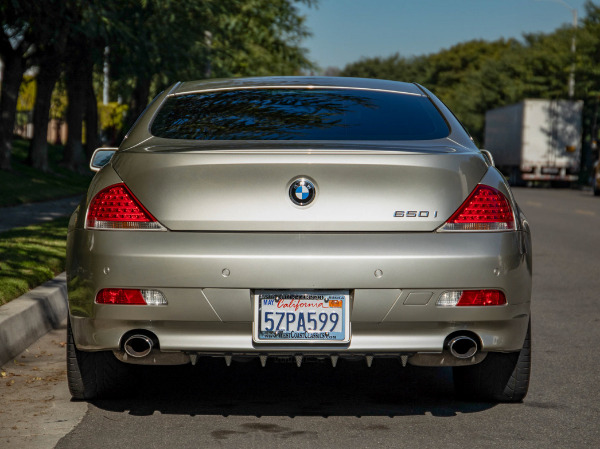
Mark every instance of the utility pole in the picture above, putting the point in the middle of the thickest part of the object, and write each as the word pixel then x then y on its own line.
pixel 573 52
pixel 571 84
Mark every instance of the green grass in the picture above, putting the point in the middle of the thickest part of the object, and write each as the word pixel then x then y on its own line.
pixel 30 256
pixel 25 184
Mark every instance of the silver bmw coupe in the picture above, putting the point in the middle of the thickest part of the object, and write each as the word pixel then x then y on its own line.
pixel 296 218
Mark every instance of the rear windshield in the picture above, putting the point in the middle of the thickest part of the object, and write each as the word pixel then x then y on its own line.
pixel 299 114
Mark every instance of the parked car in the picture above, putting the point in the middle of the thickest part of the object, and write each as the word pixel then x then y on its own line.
pixel 294 218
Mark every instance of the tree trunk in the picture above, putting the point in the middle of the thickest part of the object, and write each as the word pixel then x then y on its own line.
pixel 139 100
pixel 76 90
pixel 14 67
pixel 92 139
pixel 38 149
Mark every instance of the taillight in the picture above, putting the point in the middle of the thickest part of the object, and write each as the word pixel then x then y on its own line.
pixel 131 296
pixel 486 209
pixel 115 207
pixel 458 298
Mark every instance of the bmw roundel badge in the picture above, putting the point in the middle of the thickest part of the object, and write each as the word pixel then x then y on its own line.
pixel 302 192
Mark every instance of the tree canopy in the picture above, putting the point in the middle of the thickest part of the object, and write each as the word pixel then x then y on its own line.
pixel 148 44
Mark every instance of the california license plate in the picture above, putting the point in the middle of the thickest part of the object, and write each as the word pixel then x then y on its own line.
pixel 301 316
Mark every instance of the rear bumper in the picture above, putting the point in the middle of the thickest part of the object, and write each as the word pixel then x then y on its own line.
pixel 210 313
pixel 373 338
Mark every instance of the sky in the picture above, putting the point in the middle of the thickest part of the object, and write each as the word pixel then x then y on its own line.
pixel 344 31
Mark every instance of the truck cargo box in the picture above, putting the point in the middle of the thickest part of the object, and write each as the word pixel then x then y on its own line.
pixel 536 140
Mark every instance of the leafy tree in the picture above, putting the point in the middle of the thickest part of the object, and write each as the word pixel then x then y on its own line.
pixel 588 82
pixel 152 40
pixel 152 43
pixel 17 19
pixel 97 21
pixel 394 67
pixel 258 38
pixel 49 56
pixel 454 74
pixel 203 38
pixel 475 76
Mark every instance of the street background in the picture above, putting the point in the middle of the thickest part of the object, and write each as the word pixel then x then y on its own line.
pixel 64 63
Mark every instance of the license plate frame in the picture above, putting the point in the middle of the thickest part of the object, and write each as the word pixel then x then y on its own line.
pixel 297 302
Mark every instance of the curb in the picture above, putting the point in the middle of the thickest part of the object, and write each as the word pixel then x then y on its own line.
pixel 25 319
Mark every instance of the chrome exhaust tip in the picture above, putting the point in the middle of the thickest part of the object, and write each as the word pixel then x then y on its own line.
pixel 462 347
pixel 138 345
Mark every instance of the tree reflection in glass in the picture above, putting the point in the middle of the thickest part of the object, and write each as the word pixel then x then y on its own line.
pixel 299 114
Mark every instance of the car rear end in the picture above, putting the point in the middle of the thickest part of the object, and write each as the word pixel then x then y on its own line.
pixel 362 243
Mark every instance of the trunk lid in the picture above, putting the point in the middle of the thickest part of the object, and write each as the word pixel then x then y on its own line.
pixel 233 186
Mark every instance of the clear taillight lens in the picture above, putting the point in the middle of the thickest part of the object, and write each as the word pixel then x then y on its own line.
pixel 486 209
pixel 115 207
pixel 131 296
pixel 458 298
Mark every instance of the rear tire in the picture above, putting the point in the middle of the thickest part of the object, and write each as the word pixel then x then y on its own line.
pixel 501 377
pixel 96 375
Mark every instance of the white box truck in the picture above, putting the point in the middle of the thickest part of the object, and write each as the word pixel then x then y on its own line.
pixel 536 140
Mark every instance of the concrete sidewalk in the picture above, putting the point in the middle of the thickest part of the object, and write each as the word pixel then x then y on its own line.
pixel 31 213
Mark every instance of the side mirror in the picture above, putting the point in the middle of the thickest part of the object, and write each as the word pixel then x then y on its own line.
pixel 101 157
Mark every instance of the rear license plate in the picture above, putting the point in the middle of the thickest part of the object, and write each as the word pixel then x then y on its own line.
pixel 301 316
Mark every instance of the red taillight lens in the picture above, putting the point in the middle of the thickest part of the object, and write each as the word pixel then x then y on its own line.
pixel 482 298
pixel 120 296
pixel 486 209
pixel 130 296
pixel 453 298
pixel 115 207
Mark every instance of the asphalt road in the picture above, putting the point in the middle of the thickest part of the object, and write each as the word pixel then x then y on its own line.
pixel 352 406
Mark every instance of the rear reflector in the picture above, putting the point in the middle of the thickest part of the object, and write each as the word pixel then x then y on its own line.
pixel 129 296
pixel 458 298
pixel 486 209
pixel 115 207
